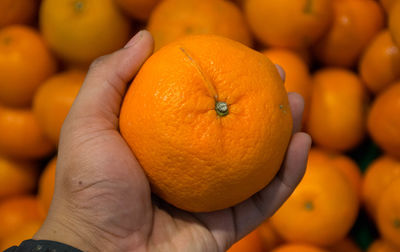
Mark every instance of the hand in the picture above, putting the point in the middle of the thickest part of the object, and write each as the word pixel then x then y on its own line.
pixel 102 200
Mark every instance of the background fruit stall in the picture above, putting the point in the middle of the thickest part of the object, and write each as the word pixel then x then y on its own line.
pixel 342 56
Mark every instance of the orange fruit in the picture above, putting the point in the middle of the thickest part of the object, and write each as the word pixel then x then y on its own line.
pixel 345 165
pixel 25 62
pixel 53 100
pixel 379 174
pixel 298 78
pixel 25 232
pixel 394 22
pixel 140 9
pixel 388 214
pixel 287 23
pixel 381 246
pixel 16 212
pixel 218 90
pixel 46 184
pixel 270 238
pixel 350 169
pixel 322 209
pixel 384 122
pixel 293 247
pixel 380 63
pixel 21 136
pixel 81 30
pixel 173 19
pixel 16 177
pixel 346 245
pixel 17 12
pixel 338 109
pixel 355 23
pixel 251 242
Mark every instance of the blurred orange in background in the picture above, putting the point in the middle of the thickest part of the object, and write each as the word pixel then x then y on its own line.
pixel 25 62
pixel 53 100
pixel 174 19
pixel 355 23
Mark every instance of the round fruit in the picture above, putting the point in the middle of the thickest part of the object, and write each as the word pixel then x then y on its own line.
pixel 298 78
pixel 53 100
pixel 25 62
pixel 380 64
pixel 21 136
pixel 251 242
pixel 355 23
pixel 322 209
pixel 17 12
pixel 388 218
pixel 378 176
pixel 221 116
pixel 394 22
pixel 384 122
pixel 287 23
pixel 16 177
pixel 16 212
pixel 298 248
pixel 173 19
pixel 46 184
pixel 346 165
pixel 338 109
pixel 381 246
pixel 81 30
pixel 140 9
pixel 25 232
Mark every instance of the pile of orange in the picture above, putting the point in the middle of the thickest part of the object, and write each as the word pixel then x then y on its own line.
pixel 342 56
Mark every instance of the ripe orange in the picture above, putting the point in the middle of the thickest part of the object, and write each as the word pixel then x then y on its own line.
pixel 16 177
pixel 287 23
pixel 53 100
pixel 216 107
pixel 345 165
pixel 25 232
pixel 140 9
pixel 394 22
pixel 322 208
pixel 380 63
pixel 355 23
pixel 293 247
pixel 381 246
pixel 173 19
pixel 251 242
pixel 25 62
pixel 46 185
pixel 21 136
pixel 346 245
pixel 388 215
pixel 17 12
pixel 384 122
pixel 298 78
pixel 338 109
pixel 80 31
pixel 378 176
pixel 16 212
pixel 270 238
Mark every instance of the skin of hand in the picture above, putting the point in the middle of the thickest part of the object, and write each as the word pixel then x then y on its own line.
pixel 102 199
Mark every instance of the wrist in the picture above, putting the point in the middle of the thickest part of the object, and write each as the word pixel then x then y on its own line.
pixel 67 230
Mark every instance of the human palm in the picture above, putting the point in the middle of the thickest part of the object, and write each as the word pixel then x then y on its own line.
pixel 102 197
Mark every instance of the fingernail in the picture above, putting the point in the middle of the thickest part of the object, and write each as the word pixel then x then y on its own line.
pixel 135 39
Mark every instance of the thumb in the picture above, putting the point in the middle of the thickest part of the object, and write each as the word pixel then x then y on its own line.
pixel 99 100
